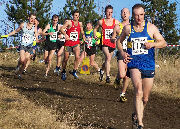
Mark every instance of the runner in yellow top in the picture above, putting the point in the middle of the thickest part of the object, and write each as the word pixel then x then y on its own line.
pixel 122 67
pixel 90 46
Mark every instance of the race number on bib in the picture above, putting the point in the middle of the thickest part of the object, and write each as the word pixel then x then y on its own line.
pixel 62 38
pixel 74 36
pixel 138 46
pixel 108 33
pixel 53 36
pixel 26 38
pixel 89 41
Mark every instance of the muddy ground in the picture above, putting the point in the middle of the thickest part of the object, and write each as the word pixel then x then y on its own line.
pixel 92 104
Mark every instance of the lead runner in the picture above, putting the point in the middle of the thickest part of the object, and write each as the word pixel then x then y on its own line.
pixel 144 37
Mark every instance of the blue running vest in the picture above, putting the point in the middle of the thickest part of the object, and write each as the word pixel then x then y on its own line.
pixel 142 58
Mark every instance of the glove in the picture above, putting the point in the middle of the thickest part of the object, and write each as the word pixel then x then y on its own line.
pixel 34 43
pixel 4 36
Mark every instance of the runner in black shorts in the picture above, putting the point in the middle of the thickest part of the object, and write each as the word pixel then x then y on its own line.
pixel 51 33
pixel 90 46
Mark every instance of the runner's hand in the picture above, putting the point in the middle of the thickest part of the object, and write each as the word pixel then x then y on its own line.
pixel 51 33
pixel 148 45
pixel 126 57
pixel 67 37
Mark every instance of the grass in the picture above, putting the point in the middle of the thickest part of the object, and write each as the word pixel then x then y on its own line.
pixel 17 112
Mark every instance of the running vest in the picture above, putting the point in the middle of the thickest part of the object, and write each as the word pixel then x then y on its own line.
pixel 121 28
pixel 27 35
pixel 73 34
pixel 124 43
pixel 142 58
pixel 54 37
pixel 107 34
pixel 90 41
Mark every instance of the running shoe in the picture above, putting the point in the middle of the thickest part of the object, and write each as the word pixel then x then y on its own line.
pixel 19 77
pixel 63 76
pixel 140 127
pixel 74 73
pixel 24 71
pixel 101 73
pixel 117 81
pixel 108 79
pixel 134 120
pixel 57 70
pixel 123 98
pixel 45 75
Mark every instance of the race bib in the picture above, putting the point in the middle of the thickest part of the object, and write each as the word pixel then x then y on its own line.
pixel 26 38
pixel 62 38
pixel 108 33
pixel 74 36
pixel 53 36
pixel 138 46
pixel 89 41
pixel 124 44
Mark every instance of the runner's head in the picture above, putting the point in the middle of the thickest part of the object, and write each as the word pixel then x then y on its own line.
pixel 32 18
pixel 89 26
pixel 75 15
pixel 108 11
pixel 55 19
pixel 138 13
pixel 125 14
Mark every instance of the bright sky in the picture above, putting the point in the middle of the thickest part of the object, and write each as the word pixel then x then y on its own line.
pixel 59 4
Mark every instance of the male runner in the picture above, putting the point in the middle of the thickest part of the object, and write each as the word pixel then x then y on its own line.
pixel 107 24
pixel 122 67
pixel 74 28
pixel 144 37
pixel 51 31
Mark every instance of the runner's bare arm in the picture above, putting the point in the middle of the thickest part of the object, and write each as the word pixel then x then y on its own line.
pixel 82 31
pixel 67 24
pixel 125 32
pixel 115 32
pixel 159 40
pixel 17 30
pixel 96 28
pixel 46 29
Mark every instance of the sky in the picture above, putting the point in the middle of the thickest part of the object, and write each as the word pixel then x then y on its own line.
pixel 58 5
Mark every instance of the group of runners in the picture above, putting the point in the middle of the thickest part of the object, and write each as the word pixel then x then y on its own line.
pixel 135 41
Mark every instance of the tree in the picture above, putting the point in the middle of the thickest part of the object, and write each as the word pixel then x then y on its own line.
pixel 86 11
pixel 18 10
pixel 163 15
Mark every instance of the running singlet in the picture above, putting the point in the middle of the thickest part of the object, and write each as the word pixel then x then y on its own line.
pixel 27 35
pixel 73 34
pixel 107 33
pixel 90 41
pixel 142 58
pixel 54 36
pixel 124 44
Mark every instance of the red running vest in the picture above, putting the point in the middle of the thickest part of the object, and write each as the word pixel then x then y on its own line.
pixel 73 34
pixel 107 33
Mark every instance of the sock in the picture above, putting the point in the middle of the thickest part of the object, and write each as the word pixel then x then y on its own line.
pixel 122 94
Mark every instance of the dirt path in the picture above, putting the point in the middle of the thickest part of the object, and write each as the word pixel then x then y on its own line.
pixel 91 104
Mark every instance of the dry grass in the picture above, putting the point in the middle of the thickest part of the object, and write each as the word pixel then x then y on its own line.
pixel 17 112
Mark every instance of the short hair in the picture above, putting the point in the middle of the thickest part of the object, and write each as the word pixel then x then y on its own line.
pixel 89 22
pixel 75 11
pixel 55 16
pixel 137 6
pixel 108 7
pixel 32 14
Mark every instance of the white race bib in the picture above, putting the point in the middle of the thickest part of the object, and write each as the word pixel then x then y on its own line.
pixel 62 38
pixel 89 41
pixel 26 38
pixel 53 36
pixel 108 33
pixel 138 46
pixel 74 36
